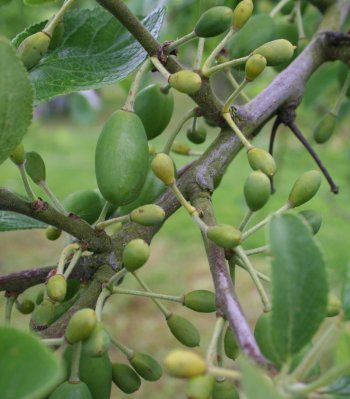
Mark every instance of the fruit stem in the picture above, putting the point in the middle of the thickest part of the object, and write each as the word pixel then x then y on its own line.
pixel 334 111
pixel 171 298
pixel 222 372
pixel 299 19
pixel 234 95
pixel 26 183
pixel 129 353
pixel 225 65
pixel 188 115
pixel 199 55
pixel 262 276
pixel 51 25
pixel 116 277
pixel 212 348
pixel 257 250
pixel 179 42
pixel 55 202
pixel 245 220
pixel 53 341
pixel 220 348
pixel 235 84
pixel 10 301
pixel 166 313
pixel 236 130
pixel 105 293
pixel 74 371
pixel 130 100
pixel 103 213
pixel 263 295
pixel 278 7
pixel 64 255
pixel 160 67
pixel 72 263
pixel 119 219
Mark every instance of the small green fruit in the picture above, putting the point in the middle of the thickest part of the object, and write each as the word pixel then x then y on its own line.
pixel 276 52
pixel 135 254
pixel 200 387
pixel 43 315
pixel 148 215
pixel 334 305
pixel 18 155
pixel 33 48
pixel 230 344
pixel 80 325
pixel 224 235
pixel 183 330
pixel 241 14
pixel 147 367
pixel 257 190
pixel 200 301
pixel 262 333
pixel 56 287
pixel 97 344
pixel 25 307
pixel 313 218
pixel 325 128
pixel 254 67
pixel 125 378
pixel 53 233
pixel 69 390
pixel 260 159
pixel 198 135
pixel 86 204
pixel 187 82
pixel 305 188
pixel 180 148
pixel 213 22
pixel 35 167
pixel 184 364
pixel 163 167
pixel 225 390
pixel 40 296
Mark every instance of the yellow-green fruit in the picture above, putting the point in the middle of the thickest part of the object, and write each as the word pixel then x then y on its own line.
pixel 325 128
pixel 57 36
pixel 18 155
pixel 148 215
pixel 135 254
pixel 69 390
pixel 97 344
pixel 305 188
pixel 184 364
pixel 333 305
pixel 225 390
pixel 33 48
pixel 197 135
pixel 200 387
pixel 260 159
pixel 188 82
pixel 276 52
pixel 25 307
pixel 242 12
pixel 313 218
pixel 125 378
pixel 183 330
pixel 86 204
pixel 200 301
pixel 180 148
pixel 52 233
pixel 224 235
pixel 163 167
pixel 213 22
pixel 257 190
pixel 80 325
pixel 35 167
pixel 230 344
pixel 121 158
pixel 56 287
pixel 147 367
pixel 254 66
pixel 43 315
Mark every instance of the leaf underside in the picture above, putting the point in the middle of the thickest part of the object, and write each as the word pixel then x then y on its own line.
pixel 10 221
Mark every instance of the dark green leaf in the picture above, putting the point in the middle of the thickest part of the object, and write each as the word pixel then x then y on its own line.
pixel 15 221
pixel 299 286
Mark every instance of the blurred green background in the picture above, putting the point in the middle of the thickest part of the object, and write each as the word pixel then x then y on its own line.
pixel 66 139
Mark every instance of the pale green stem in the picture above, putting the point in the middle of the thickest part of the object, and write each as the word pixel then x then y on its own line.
pixel 10 301
pixel 103 213
pixel 245 220
pixel 300 25
pixel 196 218
pixel 74 371
pixel 105 293
pixel 55 202
pixel 179 42
pixel 212 348
pixel 222 372
pixel 263 295
pixel 172 298
pixel 64 254
pixel 199 55
pixel 53 341
pixel 119 219
pixel 262 276
pixel 129 353
pixel 188 115
pixel 26 183
pixel 160 68
pixel 178 194
pixel 72 263
pixel 257 250
pixel 236 130
pixel 130 100
pixel 234 95
pixel 235 84
pixel 278 7
pixel 341 96
pixel 225 65
pixel 261 224
pixel 115 278
pixel 51 25
pixel 160 306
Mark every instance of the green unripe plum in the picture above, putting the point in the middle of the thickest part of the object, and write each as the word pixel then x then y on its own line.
pixel 260 159
pixel 80 325
pixel 35 167
pixel 155 107
pixel 313 218
pixel 57 36
pixel 213 22
pixel 69 390
pixel 183 330
pixel 257 190
pixel 200 301
pixel 52 233
pixel 276 52
pixel 305 188
pixel 147 367
pixel 26 306
pixel 325 128
pixel 230 344
pixel 18 155
pixel 180 148
pixel 135 254
pixel 97 344
pixel 187 82
pixel 184 364
pixel 198 135
pixel 262 333
pixel 225 390
pixel 287 30
pixel 125 378
pixel 40 296
pixel 43 315
pixel 121 158
pixel 148 215
pixel 56 287
pixel 333 305
pixel 200 387
pixel 241 14
pixel 163 167
pixel 33 48
pixel 254 67
pixel 224 235
pixel 86 204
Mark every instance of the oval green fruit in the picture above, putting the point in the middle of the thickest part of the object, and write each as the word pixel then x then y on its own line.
pixel 80 325
pixel 97 344
pixel 183 330
pixel 305 188
pixel 185 81
pixel 230 344
pixel 148 215
pixel 163 167
pixel 334 305
pixel 86 204
pixel 56 287
pixel 197 135
pixel 224 235
pixel 200 301
pixel 33 48
pixel 155 107
pixel 69 390
pixel 213 22
pixel 18 155
pixel 254 67
pixel 184 364
pixel 52 233
pixel 313 218
pixel 121 158
pixel 325 128
pixel 257 190
pixel 225 389
pixel 26 306
pixel 262 333
pixel 135 254
pixel 276 52
pixel 180 148
pixel 35 167
pixel 200 387
pixel 146 366
pixel 241 14
pixel 260 159
pixel 43 315
pixel 125 378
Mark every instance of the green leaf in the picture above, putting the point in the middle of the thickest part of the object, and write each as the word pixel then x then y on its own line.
pixel 299 285
pixel 96 51
pixel 346 295
pixel 28 370
pixel 16 100
pixel 15 221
